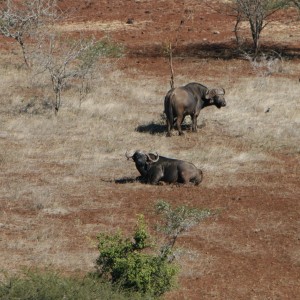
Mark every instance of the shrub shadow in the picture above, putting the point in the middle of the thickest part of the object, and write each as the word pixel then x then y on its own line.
pixel 216 50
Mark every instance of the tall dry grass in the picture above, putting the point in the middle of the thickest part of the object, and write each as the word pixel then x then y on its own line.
pixel 90 138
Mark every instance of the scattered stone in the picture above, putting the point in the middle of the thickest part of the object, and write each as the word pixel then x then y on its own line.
pixel 3 134
pixel 130 21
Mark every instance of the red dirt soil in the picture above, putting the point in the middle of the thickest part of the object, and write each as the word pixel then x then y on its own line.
pixel 251 248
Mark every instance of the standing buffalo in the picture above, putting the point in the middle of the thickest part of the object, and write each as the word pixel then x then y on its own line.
pixel 154 168
pixel 189 100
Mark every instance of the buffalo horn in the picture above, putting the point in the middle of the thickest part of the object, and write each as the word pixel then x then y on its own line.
pixel 128 155
pixel 153 160
pixel 220 91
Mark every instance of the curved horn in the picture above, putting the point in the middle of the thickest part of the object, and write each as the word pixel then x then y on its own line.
pixel 220 91
pixel 153 160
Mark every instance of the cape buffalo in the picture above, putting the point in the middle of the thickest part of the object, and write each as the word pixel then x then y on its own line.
pixel 189 100
pixel 154 168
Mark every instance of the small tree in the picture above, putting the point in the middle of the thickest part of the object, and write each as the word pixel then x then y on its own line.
pixel 124 262
pixel 257 13
pixel 19 19
pixel 140 265
pixel 67 59
pixel 168 51
pixel 169 47
pixel 176 221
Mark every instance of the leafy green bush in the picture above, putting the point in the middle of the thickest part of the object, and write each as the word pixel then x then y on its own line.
pixel 124 262
pixel 37 285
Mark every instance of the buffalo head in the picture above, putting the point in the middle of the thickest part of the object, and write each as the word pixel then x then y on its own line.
pixel 142 160
pixel 216 97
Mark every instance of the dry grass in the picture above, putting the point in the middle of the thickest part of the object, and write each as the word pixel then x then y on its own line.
pixel 262 115
pixel 99 26
pixel 56 167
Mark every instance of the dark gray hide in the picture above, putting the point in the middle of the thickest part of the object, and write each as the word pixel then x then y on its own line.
pixel 154 168
pixel 189 100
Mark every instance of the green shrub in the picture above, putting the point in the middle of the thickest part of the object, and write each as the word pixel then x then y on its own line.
pixel 38 285
pixel 124 262
pixel 132 265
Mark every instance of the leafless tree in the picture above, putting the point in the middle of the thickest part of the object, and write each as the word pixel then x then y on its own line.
pixel 169 47
pixel 168 51
pixel 70 59
pixel 257 13
pixel 19 19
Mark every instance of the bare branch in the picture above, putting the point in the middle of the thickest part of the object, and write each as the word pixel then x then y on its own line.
pixel 257 13
pixel 67 59
pixel 19 19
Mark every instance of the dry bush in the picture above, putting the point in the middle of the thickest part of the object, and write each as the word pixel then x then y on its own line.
pixel 266 65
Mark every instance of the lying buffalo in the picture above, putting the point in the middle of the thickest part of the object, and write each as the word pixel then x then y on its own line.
pixel 189 100
pixel 154 168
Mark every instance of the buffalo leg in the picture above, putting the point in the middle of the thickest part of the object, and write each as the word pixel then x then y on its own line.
pixel 154 175
pixel 198 178
pixel 178 123
pixel 194 123
pixel 185 178
pixel 169 127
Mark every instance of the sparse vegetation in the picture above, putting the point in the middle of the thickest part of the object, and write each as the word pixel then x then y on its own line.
pixel 296 3
pixel 257 12
pixel 67 60
pixel 62 178
pixel 19 20
pixel 175 221
pixel 127 262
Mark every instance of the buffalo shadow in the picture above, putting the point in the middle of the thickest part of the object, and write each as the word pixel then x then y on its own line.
pixel 125 180
pixel 152 128
pixel 158 128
